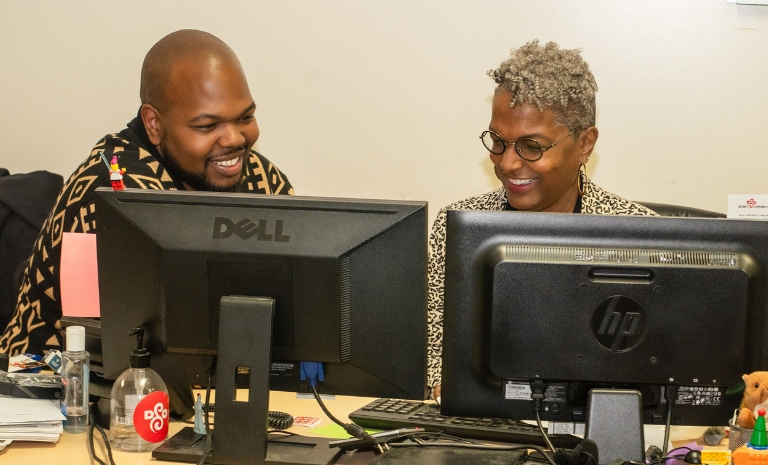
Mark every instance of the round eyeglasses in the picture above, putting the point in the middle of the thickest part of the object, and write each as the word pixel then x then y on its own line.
pixel 527 149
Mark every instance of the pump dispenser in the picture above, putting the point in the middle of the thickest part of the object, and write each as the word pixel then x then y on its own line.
pixel 138 419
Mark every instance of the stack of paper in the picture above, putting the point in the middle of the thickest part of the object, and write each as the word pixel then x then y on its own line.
pixel 29 420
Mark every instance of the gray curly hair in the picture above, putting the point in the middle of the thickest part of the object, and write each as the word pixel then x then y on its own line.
pixel 549 77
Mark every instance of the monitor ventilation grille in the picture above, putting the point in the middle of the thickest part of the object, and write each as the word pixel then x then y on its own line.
pixel 626 256
pixel 344 305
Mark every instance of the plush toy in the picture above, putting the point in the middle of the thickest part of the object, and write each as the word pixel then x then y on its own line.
pixel 755 398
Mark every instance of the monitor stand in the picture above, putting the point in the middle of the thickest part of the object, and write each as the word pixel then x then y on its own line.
pixel 615 424
pixel 240 432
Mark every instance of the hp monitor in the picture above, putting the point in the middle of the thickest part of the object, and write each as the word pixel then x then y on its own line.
pixel 676 308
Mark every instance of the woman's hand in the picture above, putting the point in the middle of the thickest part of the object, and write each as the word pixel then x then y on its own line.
pixel 436 391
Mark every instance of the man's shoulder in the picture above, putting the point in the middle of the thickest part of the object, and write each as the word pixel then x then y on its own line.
pixel 126 138
pixel 125 145
pixel 263 176
pixel 142 169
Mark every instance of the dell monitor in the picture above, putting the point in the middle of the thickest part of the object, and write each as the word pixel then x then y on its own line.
pixel 343 282
pixel 676 308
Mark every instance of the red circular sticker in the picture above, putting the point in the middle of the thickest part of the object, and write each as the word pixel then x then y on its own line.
pixel 151 417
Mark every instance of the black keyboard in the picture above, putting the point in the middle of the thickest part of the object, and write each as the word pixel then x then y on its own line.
pixel 393 413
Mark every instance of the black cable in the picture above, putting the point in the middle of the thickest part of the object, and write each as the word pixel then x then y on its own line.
pixel 541 429
pixel 276 420
pixel 464 445
pixel 279 431
pixel 441 435
pixel 279 420
pixel 325 410
pixel 351 428
pixel 538 390
pixel 670 400
pixel 104 437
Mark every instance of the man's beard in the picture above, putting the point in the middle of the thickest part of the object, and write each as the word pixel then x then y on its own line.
pixel 198 182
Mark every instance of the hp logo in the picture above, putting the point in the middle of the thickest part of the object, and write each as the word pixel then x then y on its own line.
pixel 618 323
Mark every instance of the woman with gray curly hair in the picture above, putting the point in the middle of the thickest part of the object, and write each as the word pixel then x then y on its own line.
pixel 540 138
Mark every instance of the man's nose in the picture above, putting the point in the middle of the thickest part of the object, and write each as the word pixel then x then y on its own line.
pixel 232 136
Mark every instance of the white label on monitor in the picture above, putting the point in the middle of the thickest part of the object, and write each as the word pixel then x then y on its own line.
pixel 556 392
pixel 748 206
pixel 280 366
pixel 699 395
pixel 557 427
pixel 517 390
pixel 521 390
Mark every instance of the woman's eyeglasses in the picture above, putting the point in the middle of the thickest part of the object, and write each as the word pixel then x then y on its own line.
pixel 527 149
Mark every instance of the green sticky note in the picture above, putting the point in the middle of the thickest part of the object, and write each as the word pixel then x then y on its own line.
pixel 335 431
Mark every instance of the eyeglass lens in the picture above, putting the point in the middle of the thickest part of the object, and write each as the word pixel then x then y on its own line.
pixel 528 149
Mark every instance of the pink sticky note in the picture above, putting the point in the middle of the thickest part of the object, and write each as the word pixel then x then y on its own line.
pixel 79 275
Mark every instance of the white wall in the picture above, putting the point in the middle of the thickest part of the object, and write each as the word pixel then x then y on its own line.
pixel 386 99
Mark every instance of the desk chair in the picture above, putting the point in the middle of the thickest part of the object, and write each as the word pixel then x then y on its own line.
pixel 665 209
pixel 25 202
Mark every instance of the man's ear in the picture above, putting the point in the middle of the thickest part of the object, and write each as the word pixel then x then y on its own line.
pixel 588 138
pixel 152 124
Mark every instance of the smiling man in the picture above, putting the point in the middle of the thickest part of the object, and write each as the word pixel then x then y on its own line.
pixel 194 131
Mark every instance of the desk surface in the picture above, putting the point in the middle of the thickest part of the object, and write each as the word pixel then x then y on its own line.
pixel 73 448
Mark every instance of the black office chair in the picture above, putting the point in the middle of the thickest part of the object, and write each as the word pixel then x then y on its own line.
pixel 665 209
pixel 25 201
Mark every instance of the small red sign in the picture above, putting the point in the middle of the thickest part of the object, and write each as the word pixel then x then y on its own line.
pixel 151 417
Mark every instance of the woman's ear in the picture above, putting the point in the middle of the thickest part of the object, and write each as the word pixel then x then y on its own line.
pixel 152 124
pixel 587 138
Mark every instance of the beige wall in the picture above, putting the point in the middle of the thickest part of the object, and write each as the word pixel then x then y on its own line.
pixel 386 99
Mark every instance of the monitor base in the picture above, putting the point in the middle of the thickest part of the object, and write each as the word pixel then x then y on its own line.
pixel 187 446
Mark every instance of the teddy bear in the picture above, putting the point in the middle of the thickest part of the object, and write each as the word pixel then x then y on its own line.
pixel 755 398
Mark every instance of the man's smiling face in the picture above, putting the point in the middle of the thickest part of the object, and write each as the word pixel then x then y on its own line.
pixel 207 124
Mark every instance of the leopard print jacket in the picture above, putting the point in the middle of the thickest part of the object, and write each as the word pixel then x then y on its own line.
pixel 596 201
pixel 35 326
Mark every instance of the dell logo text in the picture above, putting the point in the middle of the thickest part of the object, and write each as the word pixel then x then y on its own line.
pixel 247 228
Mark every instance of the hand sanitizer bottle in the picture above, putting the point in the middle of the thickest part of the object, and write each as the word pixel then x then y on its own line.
pixel 138 414
pixel 75 368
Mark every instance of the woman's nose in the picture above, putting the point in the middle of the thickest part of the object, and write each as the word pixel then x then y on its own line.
pixel 510 161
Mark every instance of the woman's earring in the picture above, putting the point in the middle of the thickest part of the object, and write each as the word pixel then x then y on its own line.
pixel 581 182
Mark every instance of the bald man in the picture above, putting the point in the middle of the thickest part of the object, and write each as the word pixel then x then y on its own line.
pixel 194 131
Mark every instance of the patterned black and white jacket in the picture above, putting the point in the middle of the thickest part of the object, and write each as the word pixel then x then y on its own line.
pixel 595 201
pixel 35 325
